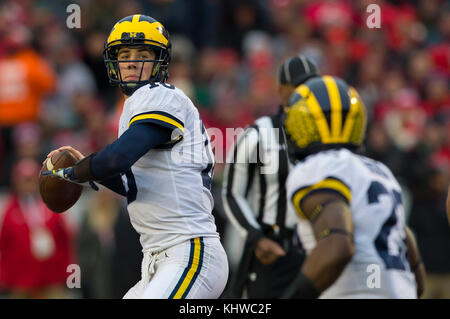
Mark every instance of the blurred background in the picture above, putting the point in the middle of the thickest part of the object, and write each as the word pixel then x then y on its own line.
pixel 54 91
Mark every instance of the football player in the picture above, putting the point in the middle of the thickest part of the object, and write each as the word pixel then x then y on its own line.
pixel 163 163
pixel 354 203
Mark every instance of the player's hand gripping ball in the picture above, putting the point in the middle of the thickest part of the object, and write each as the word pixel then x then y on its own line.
pixel 59 195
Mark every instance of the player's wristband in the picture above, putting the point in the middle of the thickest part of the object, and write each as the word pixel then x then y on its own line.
pixel 82 169
pixel 301 288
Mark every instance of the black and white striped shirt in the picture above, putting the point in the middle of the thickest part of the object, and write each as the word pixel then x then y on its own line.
pixel 253 192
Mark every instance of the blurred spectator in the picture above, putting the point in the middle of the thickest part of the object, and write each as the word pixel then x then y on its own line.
pixel 420 67
pixel 433 149
pixel 108 248
pixel 393 82
pixel 195 19
pixel 25 76
pixel 93 58
pixel 429 222
pixel 368 78
pixel 183 54
pixel 206 67
pixel 405 120
pixel 35 243
pixel 97 14
pixel 260 96
pixel 437 96
pixel 26 142
pixel 380 147
pixel 75 79
pixel 324 14
pixel 240 17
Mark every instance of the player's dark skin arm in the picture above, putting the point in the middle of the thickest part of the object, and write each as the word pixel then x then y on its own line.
pixel 333 252
pixel 415 261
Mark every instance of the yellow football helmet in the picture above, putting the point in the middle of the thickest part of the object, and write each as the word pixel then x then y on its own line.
pixel 324 113
pixel 138 30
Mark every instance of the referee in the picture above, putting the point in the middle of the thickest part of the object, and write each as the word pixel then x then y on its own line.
pixel 254 197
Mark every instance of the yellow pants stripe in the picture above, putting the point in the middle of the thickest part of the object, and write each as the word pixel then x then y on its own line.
pixel 191 271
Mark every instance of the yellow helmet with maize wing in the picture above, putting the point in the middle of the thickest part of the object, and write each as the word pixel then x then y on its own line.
pixel 324 112
pixel 138 30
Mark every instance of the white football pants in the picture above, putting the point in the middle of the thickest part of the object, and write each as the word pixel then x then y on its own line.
pixel 194 269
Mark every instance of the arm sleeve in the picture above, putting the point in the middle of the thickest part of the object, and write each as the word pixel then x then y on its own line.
pixel 239 171
pixel 118 157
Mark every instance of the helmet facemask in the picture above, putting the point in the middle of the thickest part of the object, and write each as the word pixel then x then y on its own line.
pixel 159 72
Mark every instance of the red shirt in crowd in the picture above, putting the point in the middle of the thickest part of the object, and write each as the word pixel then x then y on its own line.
pixel 35 246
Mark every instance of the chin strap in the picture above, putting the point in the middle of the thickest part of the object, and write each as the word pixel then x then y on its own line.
pixel 129 90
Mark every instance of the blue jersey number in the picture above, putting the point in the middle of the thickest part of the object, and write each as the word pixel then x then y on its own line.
pixel 208 172
pixel 166 85
pixel 389 243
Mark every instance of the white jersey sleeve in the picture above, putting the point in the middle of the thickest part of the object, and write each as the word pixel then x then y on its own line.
pixel 161 104
pixel 319 173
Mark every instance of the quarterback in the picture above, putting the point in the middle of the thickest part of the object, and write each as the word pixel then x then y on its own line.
pixel 169 197
pixel 354 203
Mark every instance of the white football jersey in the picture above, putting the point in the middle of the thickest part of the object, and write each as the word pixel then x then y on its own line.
pixel 379 267
pixel 168 189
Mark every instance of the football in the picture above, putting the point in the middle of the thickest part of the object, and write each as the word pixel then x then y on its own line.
pixel 59 195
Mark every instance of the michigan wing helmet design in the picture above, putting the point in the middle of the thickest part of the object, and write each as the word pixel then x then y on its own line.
pixel 137 30
pixel 324 113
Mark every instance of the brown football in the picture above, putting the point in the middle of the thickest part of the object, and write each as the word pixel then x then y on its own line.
pixel 59 195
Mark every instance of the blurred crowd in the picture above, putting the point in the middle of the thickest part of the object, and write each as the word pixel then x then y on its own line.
pixel 54 91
